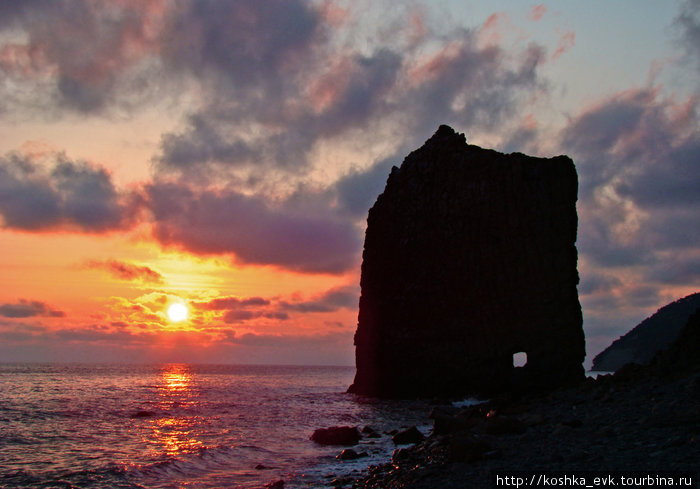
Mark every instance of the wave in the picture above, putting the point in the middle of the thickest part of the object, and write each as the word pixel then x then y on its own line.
pixel 239 461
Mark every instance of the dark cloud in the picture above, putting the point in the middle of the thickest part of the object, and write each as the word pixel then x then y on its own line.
pixel 341 297
pixel 637 156
pixel 273 114
pixel 69 194
pixel 688 22
pixel 522 139
pixel 26 309
pixel 241 315
pixel 597 283
pixel 676 270
pixel 243 42
pixel 358 190
pixel 273 340
pixel 255 232
pixel 97 334
pixel 218 134
pixel 238 310
pixel 128 271
pixel 221 303
pixel 271 82
pixel 93 55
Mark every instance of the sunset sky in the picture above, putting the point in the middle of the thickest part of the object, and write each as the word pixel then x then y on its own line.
pixel 223 155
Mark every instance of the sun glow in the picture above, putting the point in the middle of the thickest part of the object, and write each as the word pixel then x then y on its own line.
pixel 177 312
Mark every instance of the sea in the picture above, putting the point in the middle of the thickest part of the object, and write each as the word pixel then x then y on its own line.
pixel 186 426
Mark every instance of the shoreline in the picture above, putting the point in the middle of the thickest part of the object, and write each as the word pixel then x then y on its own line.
pixel 632 421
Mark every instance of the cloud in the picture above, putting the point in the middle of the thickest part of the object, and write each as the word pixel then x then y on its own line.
pixel 238 310
pixel 272 115
pixel 92 57
pixel 250 228
pixel 358 190
pixel 688 23
pixel 128 271
pixel 221 303
pixel 565 43
pixel 218 135
pixel 636 153
pixel 537 12
pixel 267 86
pixel 337 298
pixel 26 309
pixel 241 315
pixel 597 282
pixel 67 194
pixel 273 340
pixel 243 43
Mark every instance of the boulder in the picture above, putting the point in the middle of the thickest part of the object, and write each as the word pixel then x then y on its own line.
pixel 350 454
pixel 444 424
pixel 409 435
pixel 336 435
pixel 468 448
pixel 469 258
pixel 504 425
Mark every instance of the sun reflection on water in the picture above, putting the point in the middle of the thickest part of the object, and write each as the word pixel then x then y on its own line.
pixel 175 432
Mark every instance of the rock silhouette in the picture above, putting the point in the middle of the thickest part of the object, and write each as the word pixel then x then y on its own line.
pixel 650 336
pixel 470 258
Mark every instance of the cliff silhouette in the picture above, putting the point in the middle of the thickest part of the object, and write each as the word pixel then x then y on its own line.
pixel 470 258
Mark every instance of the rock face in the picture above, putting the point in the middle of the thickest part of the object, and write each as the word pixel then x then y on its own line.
pixel 469 258
pixel 649 337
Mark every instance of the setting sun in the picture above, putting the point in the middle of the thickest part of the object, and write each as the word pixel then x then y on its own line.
pixel 177 312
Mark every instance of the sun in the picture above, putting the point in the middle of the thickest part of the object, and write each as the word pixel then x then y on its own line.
pixel 177 312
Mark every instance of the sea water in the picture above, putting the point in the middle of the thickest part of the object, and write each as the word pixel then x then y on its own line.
pixel 184 426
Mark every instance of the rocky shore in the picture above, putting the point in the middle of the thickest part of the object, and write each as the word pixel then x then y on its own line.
pixel 630 421
pixel 642 418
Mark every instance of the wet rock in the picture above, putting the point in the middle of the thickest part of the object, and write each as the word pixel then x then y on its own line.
pixel 458 233
pixel 504 425
pixel 336 435
pixel 572 423
pixel 445 424
pixel 400 455
pixel 409 435
pixel 350 454
pixel 369 432
pixel 468 449
pixel 262 467
pixel 275 485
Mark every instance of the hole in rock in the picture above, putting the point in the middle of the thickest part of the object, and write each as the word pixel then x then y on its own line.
pixel 519 359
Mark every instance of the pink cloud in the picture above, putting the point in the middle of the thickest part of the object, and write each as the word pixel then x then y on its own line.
pixel 490 31
pixel 128 271
pixel 566 42
pixel 537 12
pixel 333 14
